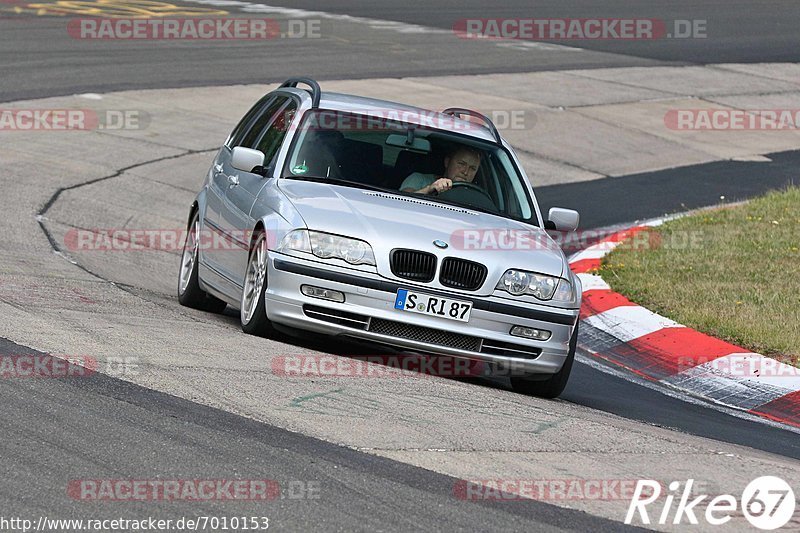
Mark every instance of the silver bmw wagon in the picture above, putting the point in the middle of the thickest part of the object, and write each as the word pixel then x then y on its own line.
pixel 386 223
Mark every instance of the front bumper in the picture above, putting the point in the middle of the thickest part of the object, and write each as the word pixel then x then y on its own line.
pixel 368 313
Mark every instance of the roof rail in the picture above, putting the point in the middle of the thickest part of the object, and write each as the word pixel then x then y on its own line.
pixel 316 92
pixel 458 111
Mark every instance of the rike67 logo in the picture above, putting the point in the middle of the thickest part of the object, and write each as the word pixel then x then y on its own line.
pixel 768 503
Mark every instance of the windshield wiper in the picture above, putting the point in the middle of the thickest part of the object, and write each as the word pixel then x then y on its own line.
pixel 338 181
pixel 497 213
pixel 436 199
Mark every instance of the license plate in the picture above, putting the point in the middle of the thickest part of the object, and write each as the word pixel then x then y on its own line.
pixel 426 304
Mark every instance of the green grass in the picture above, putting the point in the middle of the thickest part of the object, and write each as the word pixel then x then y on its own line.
pixel 733 273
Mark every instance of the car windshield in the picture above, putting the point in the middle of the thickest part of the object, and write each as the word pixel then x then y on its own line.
pixel 365 151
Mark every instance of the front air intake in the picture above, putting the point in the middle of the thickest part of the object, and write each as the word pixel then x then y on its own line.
pixel 413 265
pixel 462 274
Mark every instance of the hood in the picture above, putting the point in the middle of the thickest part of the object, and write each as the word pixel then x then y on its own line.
pixel 389 221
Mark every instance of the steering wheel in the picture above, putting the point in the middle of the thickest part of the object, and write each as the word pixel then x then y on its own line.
pixel 471 186
pixel 466 192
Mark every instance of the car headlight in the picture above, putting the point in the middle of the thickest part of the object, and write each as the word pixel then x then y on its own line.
pixel 296 241
pixel 565 292
pixel 520 282
pixel 328 246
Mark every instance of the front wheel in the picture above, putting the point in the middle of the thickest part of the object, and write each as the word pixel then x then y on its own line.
pixel 552 386
pixel 253 312
pixel 189 292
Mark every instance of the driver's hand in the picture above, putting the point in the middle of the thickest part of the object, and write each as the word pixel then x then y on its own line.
pixel 441 185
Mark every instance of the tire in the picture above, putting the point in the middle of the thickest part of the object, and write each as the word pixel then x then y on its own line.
pixel 189 292
pixel 552 386
pixel 253 309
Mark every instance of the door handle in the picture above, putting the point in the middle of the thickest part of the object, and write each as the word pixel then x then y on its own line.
pixel 233 181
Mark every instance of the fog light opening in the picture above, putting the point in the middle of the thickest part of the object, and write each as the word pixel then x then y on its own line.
pixel 530 333
pixel 322 294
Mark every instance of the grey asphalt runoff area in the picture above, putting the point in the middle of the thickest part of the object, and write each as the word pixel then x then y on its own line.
pixel 205 401
pixel 47 61
pixel 44 60
pixel 55 431
pixel 650 194
pixel 737 32
pixel 117 305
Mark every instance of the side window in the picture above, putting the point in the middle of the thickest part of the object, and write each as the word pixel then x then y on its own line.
pixel 272 138
pixel 265 116
pixel 238 132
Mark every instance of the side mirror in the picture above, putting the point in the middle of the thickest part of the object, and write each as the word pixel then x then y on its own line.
pixel 248 160
pixel 561 219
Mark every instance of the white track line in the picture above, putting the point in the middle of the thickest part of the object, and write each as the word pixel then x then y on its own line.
pixel 380 24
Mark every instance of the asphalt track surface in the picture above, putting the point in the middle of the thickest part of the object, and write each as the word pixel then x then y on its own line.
pixel 64 426
pixel 45 61
pixel 612 201
pixel 609 393
pixel 739 31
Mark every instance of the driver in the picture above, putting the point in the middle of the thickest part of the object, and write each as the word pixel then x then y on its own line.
pixel 461 164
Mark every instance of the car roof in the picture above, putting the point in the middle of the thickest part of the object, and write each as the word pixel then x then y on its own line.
pixel 408 113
